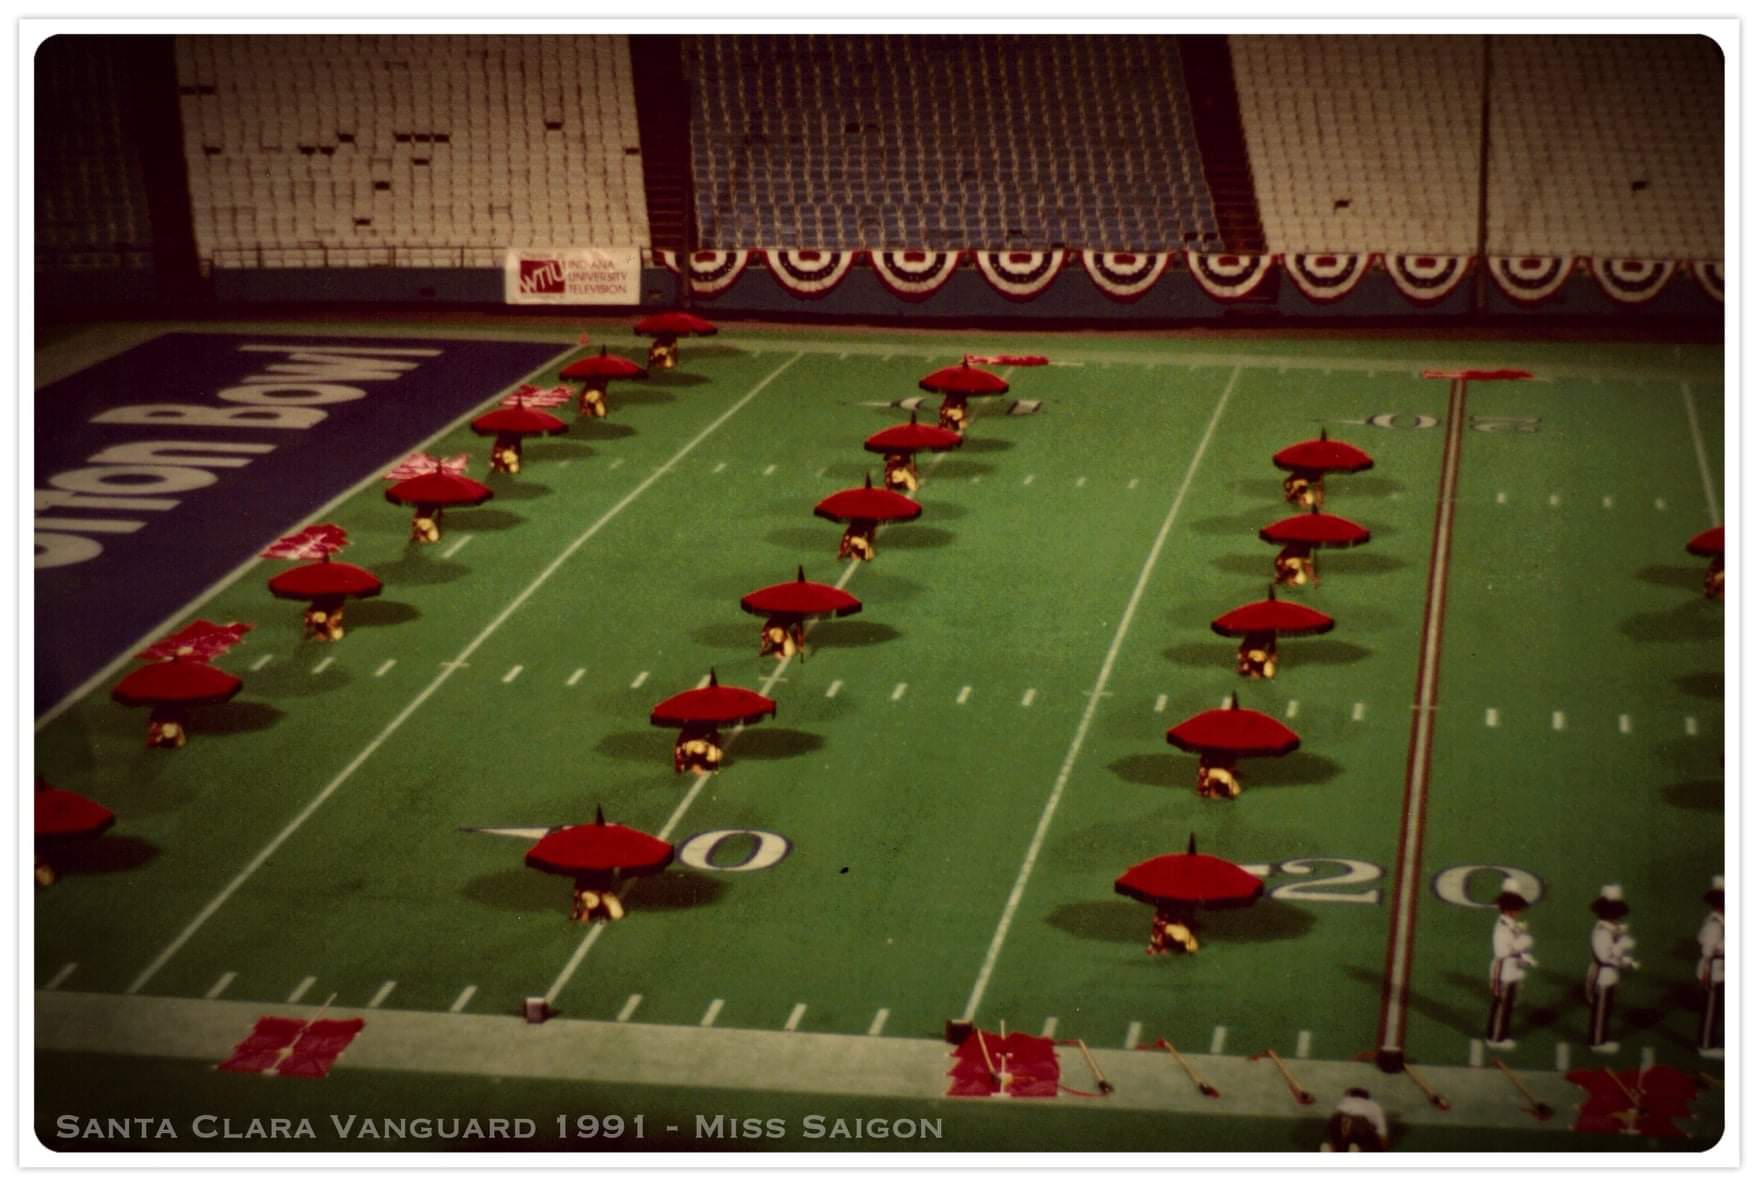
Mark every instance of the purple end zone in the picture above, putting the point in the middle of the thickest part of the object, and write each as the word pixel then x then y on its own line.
pixel 162 469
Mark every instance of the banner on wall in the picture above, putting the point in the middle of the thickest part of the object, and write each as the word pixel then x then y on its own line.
pixel 573 276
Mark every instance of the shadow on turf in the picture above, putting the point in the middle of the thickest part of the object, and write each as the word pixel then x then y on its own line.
pixel 482 519
pixel 422 566
pixel 108 854
pixel 1675 576
pixel 598 428
pixel 912 536
pixel 630 396
pixel 529 892
pixel 1462 1015
pixel 982 445
pixel 1697 620
pixel 956 471
pixel 1708 685
pixel 377 612
pixel 1355 563
pixel 293 677
pixel 515 490
pixel 1178 770
pixel 659 381
pixel 1697 795
pixel 761 743
pixel 849 632
pixel 1297 651
pixel 1118 920
pixel 234 717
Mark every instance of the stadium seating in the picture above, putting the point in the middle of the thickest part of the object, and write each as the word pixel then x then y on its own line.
pixel 1606 146
pixel 443 150
pixel 1365 143
pixel 944 142
pixel 91 198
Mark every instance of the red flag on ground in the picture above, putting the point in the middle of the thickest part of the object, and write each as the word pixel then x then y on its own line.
pixel 319 1047
pixel 1478 373
pixel 1662 1095
pixel 290 1047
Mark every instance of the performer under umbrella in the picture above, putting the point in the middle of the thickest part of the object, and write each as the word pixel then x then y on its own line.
pixel 787 606
pixel 430 485
pixel 863 508
pixel 595 373
pixel 510 426
pixel 1221 737
pixel 64 819
pixel 698 714
pixel 597 856
pixel 1176 884
pixel 1308 462
pixel 1709 543
pixel 1300 535
pixel 956 385
pixel 324 584
pixel 1259 623
pixel 900 445
pixel 665 329
pixel 181 679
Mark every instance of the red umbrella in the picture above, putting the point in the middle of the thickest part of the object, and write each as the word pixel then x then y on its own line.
pixel 1315 528
pixel 1706 543
pixel 603 366
pixel 673 325
pixel 1233 730
pixel 1323 456
pixel 1189 879
pixel 800 598
pixel 439 489
pixel 325 579
pixel 599 848
pixel 912 438
pixel 67 816
pixel 181 680
pixel 1270 615
pixel 864 502
pixel 518 421
pixel 963 380
pixel 713 705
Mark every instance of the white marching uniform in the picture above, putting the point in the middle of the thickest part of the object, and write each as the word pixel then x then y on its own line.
pixel 1511 948
pixel 1611 944
pixel 1710 976
pixel 1350 1121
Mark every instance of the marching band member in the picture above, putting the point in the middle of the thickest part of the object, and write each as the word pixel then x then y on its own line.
pixel 1511 948
pixel 1710 973
pixel 1611 945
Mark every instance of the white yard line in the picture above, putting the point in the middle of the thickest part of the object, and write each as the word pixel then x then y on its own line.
pixel 1661 504
pixel 258 666
pixel 1293 709
pixel 1049 1029
pixel 60 978
pixel 1358 711
pixel 878 1025
pixel 640 679
pixel 964 695
pixel 575 678
pixel 322 664
pixel 1081 482
pixel 1303 1043
pixel 615 462
pixel 1606 501
pixel 1132 1036
pixel 898 692
pixel 1558 720
pixel 1087 715
pixel 1691 727
pixel 1491 717
pixel 385 667
pixel 300 990
pixel 836 686
pixel 433 686
pixel 173 621
pixel 457 544
pixel 462 1000
pixel 794 1016
pixel 219 986
pixel 1563 1057
pixel 713 1012
pixel 629 1008
pixel 1160 703
pixel 512 673
pixel 1556 500
pixel 1703 457
pixel 1028 697
pixel 1218 1041
pixel 1131 485
pixel 1624 723
pixel 769 469
pixel 1475 1053
pixel 378 998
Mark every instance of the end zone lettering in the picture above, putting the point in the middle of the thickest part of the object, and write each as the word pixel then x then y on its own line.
pixel 136 477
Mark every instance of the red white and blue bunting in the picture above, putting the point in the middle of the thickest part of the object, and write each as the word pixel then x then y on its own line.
pixel 1426 279
pixel 1326 276
pixel 914 275
pixel 1019 275
pixel 1709 274
pixel 809 273
pixel 713 272
pixel 1531 279
pixel 1631 281
pixel 1125 275
pixel 666 258
pixel 1229 277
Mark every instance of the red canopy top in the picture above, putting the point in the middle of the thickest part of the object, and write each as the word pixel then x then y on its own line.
pixel 1706 543
pixel 519 420
pixel 800 598
pixel 1189 879
pixel 865 502
pixel 324 579
pixel 912 437
pixel 201 639
pixel 320 541
pixel 1317 528
pixel 1243 732
pixel 603 365
pixel 1323 455
pixel 440 490
pixel 713 704
pixel 65 815
pixel 1284 618
pixel 963 380
pixel 179 681
pixel 664 325
pixel 599 848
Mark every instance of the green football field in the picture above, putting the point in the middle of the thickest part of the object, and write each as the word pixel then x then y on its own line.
pixel 930 826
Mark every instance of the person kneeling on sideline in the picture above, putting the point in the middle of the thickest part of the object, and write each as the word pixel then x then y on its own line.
pixel 1357 1125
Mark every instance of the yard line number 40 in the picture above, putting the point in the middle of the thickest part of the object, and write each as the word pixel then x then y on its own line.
pixel 1300 879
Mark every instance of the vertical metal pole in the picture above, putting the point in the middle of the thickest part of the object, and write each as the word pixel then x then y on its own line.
pixel 1481 284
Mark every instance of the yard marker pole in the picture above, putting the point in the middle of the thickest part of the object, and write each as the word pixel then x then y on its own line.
pixel 293 826
pixel 1093 699
pixel 1401 933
